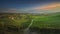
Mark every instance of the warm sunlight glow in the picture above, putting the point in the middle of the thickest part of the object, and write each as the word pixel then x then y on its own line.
pixel 48 7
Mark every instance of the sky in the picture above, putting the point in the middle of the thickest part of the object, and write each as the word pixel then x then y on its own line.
pixel 28 6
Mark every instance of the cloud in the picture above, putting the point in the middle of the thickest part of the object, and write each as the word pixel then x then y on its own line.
pixel 48 7
pixel 8 10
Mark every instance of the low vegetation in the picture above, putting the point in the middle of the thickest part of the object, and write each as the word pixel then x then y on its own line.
pixel 18 22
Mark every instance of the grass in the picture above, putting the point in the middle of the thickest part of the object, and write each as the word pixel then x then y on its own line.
pixel 39 21
pixel 51 21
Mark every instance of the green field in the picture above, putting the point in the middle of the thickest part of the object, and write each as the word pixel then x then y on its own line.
pixel 22 21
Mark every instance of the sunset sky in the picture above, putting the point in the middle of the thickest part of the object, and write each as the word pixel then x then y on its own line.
pixel 29 6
